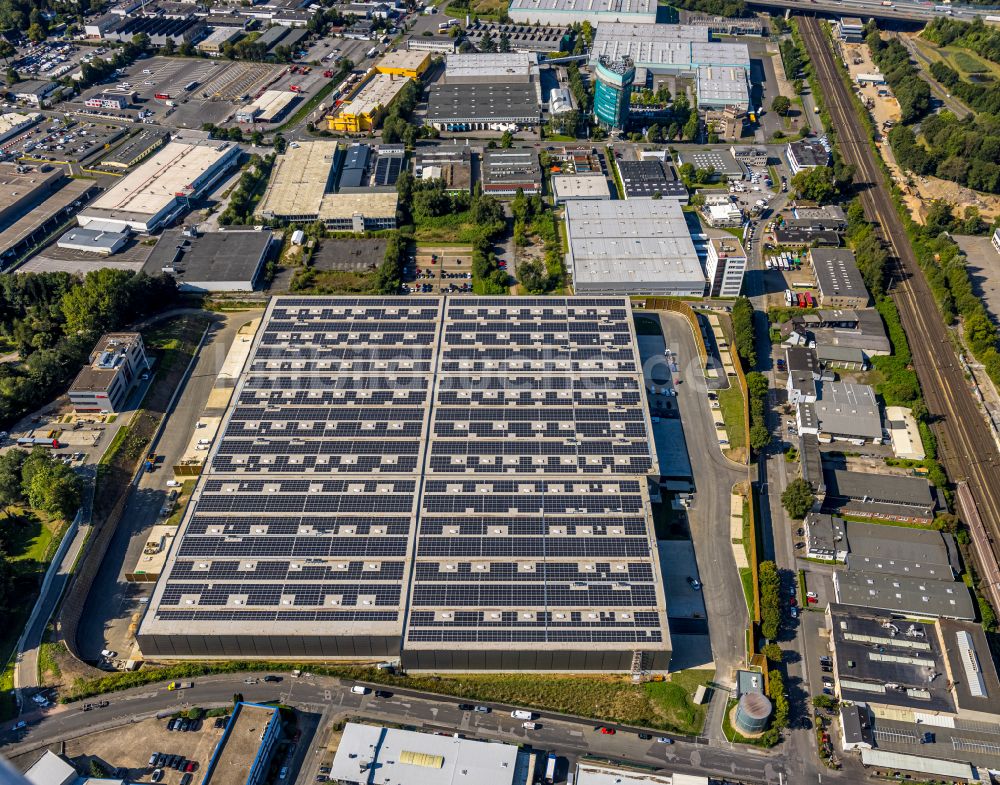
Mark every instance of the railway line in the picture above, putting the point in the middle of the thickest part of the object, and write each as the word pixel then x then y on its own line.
pixel 965 444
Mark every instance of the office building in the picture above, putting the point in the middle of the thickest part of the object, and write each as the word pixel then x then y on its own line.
pixel 13 123
pixel 721 212
pixel 887 496
pixel 404 63
pixel 160 189
pixel 243 754
pixel 353 418
pixel 807 154
pixel 803 374
pixel 725 266
pixel 504 106
pixel 590 185
pixel 362 110
pixel 636 246
pixel 506 171
pixel 612 91
pixel 490 68
pixel 568 12
pixel 116 363
pixel 750 156
pixel 228 261
pixel 359 211
pixel 838 278
pixel 650 178
pixel 851 29
pixel 371 755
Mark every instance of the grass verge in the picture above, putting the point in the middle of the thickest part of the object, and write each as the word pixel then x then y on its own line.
pixel 746 579
pixel 731 406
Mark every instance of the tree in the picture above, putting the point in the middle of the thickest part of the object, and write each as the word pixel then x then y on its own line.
pixel 507 140
pixel 11 492
pixel 140 41
pixel 798 498
pixel 36 33
pixel 486 43
pixel 827 702
pixel 742 317
pixel 773 652
pixel 532 276
pixel 169 48
pixel 780 105
pixel 503 44
pixel 7 50
pixel 815 184
pixel 12 77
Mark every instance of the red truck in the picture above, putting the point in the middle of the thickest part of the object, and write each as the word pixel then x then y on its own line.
pixel 162 96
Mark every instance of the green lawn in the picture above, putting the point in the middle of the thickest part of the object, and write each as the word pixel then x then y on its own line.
pixel 969 63
pixel 456 228
pixel 731 406
pixel 746 578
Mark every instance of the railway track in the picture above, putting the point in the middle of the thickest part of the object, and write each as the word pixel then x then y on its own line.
pixel 965 444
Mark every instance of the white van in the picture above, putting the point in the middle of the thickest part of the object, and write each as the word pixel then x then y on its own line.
pixel 357 689
pixel 520 714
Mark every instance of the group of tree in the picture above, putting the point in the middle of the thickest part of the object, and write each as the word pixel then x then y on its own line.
pixel 893 59
pixel 396 125
pixel 824 184
pixel 735 8
pixel 798 498
pixel 781 105
pixel 964 151
pixel 389 274
pixel 40 481
pixel 490 44
pixel 693 177
pixel 244 197
pixel 770 600
pixel 793 60
pixel 869 250
pixel 976 36
pixel 760 436
pixel 743 338
pixel 53 321
pixel 583 94
pixel 532 218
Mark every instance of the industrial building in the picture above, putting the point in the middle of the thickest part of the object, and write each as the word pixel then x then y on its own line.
pixel 920 598
pixel 803 374
pixel 108 100
pixel 213 43
pixel 522 38
pixel 135 148
pixel 649 179
pixel 116 364
pixel 568 12
pixel 96 241
pixel 807 154
pixel 613 80
pixel 725 266
pixel 851 29
pixel 361 211
pixel 928 554
pixel 860 329
pixel 13 123
pixel 269 107
pixel 826 537
pixel 229 261
pixel 370 755
pixel 838 278
pixel 503 106
pixel 504 171
pixel 842 411
pixel 720 211
pixel 721 69
pixel 636 246
pixel 404 63
pixel 353 419
pixel 490 68
pixel 160 189
pixel 879 496
pixel 904 433
pixel 722 163
pixel 589 185
pixel 362 110
pixel 451 163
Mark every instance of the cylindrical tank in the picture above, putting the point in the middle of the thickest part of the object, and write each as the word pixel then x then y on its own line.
pixel 752 713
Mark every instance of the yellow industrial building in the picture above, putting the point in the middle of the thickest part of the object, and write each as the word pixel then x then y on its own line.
pixel 404 63
pixel 362 110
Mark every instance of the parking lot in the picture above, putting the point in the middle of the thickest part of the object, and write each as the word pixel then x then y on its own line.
pixel 131 747
pixel 48 60
pixel 203 91
pixel 439 270
pixel 59 142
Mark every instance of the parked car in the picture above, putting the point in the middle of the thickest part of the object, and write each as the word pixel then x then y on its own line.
pixel 664 740
pixel 157 775
pixel 607 731
pixel 482 709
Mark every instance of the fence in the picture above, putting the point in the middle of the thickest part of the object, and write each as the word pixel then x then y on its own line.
pixel 677 306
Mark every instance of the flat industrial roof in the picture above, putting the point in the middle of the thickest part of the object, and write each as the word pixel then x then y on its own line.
pixel 403 60
pixel 592 185
pixel 480 65
pixel 516 429
pixel 16 187
pixel 232 256
pixel 920 597
pixel 156 182
pixel 837 273
pixel 134 146
pixel 379 91
pixel 723 84
pixel 925 553
pixel 269 105
pixel 299 179
pixel 635 241
pixel 371 204
pixel 649 177
pixel 403 756
pixel 482 102
pixel 848 409
pixel 582 7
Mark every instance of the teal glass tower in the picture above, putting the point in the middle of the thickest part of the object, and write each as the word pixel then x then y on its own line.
pixel 613 90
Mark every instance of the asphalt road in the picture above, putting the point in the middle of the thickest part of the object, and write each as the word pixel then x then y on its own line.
pixel 566 736
pixel 113 600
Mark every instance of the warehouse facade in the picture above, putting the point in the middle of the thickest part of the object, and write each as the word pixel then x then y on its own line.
pixel 346 512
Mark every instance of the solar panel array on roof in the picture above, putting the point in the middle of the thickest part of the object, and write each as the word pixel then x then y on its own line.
pixel 461 478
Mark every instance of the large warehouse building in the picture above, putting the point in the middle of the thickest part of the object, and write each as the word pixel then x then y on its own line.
pixel 486 91
pixel 567 12
pixel 386 484
pixel 636 246
pixel 159 190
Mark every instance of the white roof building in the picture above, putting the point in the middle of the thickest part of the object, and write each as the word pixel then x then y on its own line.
pixel 904 433
pixel 388 756
pixel 592 185
pixel 562 12
pixel 636 246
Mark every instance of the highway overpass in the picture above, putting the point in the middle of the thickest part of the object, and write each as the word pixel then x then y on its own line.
pixel 905 12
